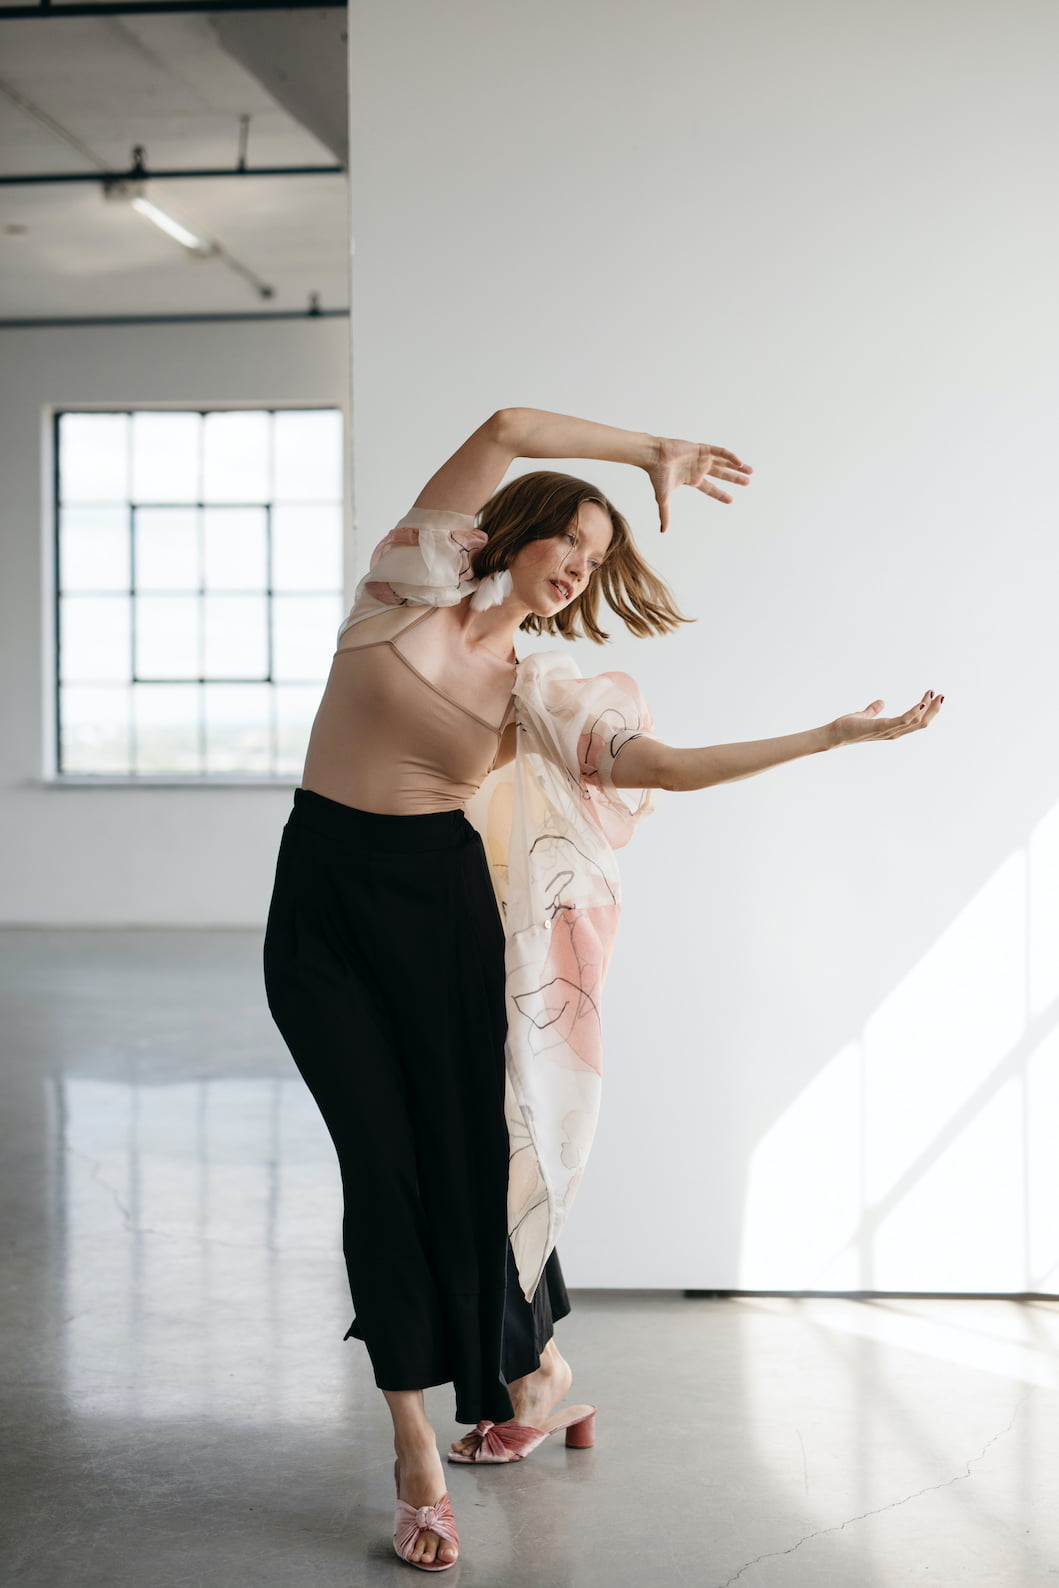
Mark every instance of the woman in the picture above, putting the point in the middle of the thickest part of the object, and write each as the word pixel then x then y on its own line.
pixel 394 977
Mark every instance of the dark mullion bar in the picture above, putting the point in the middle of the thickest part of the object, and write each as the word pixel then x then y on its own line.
pixel 212 679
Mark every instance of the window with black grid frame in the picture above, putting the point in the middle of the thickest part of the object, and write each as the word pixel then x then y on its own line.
pixel 198 589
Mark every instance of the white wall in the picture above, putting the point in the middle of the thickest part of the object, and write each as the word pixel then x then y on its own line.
pixel 126 856
pixel 826 236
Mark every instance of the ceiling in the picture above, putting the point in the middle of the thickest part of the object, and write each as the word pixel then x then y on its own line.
pixel 177 85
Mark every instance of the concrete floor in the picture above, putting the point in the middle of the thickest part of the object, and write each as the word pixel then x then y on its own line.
pixel 183 1411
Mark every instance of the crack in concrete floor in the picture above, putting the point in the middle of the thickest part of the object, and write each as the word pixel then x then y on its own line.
pixel 930 1488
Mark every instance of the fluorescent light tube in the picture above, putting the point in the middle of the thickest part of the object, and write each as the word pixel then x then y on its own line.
pixel 172 228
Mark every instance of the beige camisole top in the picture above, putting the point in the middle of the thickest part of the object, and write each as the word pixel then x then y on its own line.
pixel 411 717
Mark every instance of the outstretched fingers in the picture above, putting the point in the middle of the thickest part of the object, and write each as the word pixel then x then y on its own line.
pixel 917 716
pixel 711 490
pixel 731 470
pixel 723 456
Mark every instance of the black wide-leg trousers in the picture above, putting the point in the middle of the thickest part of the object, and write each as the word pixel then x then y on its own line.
pixel 384 971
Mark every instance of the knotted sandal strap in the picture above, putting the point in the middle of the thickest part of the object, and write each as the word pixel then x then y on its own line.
pixel 411 1520
pixel 505 1443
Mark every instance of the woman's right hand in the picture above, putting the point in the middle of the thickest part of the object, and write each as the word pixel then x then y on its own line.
pixel 674 463
pixel 867 724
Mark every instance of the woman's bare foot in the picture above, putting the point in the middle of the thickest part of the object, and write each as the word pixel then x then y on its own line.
pixel 533 1397
pixel 421 1481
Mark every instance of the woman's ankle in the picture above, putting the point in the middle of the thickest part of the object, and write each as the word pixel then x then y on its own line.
pixel 415 1442
pixel 551 1364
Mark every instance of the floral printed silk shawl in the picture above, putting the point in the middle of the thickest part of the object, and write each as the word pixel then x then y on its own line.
pixel 550 821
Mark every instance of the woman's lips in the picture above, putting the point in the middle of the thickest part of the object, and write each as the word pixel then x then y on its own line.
pixel 561 590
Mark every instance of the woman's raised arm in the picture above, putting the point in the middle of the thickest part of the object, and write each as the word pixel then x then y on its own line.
pixel 668 463
pixel 648 763
pixel 469 478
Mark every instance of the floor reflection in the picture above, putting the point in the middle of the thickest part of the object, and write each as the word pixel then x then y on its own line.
pixel 189 1210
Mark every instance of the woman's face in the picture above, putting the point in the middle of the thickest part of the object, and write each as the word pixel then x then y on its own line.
pixel 547 575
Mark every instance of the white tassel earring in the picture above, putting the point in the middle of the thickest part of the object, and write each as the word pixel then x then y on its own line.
pixel 492 590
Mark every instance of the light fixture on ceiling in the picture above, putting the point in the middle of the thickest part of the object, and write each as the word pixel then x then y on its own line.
pixel 172 228
pixel 132 194
pixel 131 190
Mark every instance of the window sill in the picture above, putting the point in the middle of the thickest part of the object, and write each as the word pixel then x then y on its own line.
pixel 74 781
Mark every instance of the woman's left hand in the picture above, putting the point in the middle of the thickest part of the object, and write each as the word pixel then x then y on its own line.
pixel 692 463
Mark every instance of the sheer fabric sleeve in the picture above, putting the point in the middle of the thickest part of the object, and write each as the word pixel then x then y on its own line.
pixel 426 559
pixel 581 724
pixel 619 713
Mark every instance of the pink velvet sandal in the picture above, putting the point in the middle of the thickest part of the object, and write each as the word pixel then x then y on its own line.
pixel 411 1520
pixel 502 1442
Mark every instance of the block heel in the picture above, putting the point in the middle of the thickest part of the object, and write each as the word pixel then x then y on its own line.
pixel 582 1435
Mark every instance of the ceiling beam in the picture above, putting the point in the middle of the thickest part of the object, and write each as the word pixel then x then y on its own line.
pixel 129 8
pixel 174 319
pixel 140 174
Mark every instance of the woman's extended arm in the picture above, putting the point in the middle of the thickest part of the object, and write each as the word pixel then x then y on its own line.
pixel 468 479
pixel 535 433
pixel 668 463
pixel 648 763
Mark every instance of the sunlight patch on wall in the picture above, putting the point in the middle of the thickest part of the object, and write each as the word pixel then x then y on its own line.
pixel 804 1196
pixel 922 1158
pixel 960 1224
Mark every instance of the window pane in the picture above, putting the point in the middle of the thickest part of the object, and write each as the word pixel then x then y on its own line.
pixel 165 457
pixel 308 456
pixel 236 462
pixel 166 718
pixel 94 457
pixel 303 636
pixel 167 548
pixel 94 639
pixel 167 636
pixel 94 729
pixel 227 527
pixel 238 727
pixel 94 548
pixel 307 548
pixel 236 548
pixel 236 628
pixel 296 707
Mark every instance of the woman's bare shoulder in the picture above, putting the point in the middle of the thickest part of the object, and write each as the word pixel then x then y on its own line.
pixel 383 626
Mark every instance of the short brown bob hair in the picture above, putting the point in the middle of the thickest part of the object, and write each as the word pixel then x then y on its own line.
pixel 539 505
